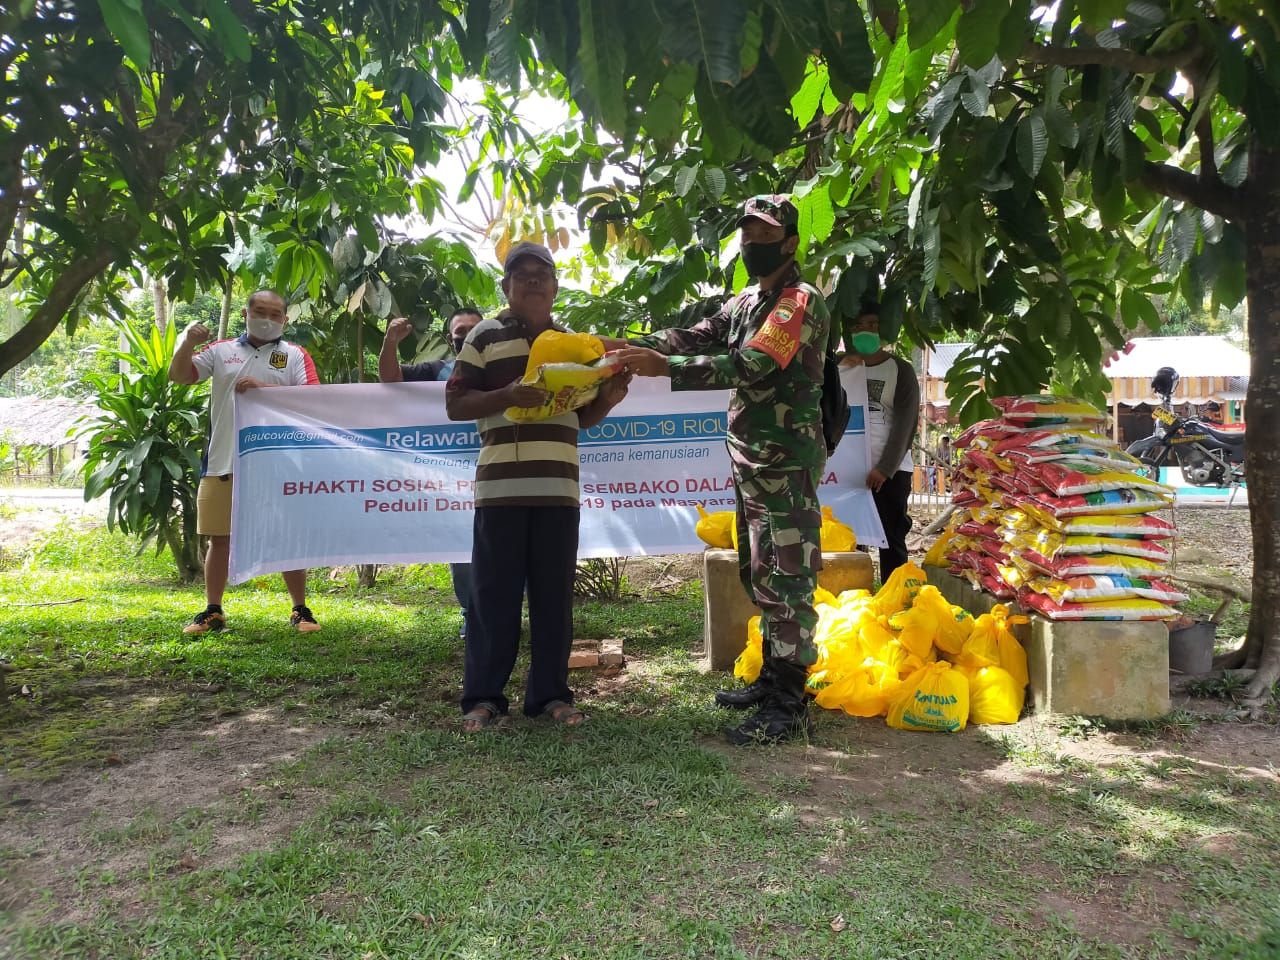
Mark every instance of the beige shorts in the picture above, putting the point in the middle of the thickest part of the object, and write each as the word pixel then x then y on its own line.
pixel 213 507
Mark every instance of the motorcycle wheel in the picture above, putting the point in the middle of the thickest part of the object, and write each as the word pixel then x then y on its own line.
pixel 1152 471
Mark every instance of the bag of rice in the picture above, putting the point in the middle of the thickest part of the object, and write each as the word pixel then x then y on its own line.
pixel 1065 480
pixel 1041 408
pixel 1085 589
pixel 1051 544
pixel 1102 503
pixel 1131 609
pixel 1086 566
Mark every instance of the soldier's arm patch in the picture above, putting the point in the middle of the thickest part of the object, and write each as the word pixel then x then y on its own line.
pixel 779 335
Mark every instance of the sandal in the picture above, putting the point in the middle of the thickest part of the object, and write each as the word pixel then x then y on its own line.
pixel 565 713
pixel 480 716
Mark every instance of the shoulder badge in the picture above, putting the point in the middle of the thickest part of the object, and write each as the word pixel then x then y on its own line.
pixel 779 335
pixel 278 359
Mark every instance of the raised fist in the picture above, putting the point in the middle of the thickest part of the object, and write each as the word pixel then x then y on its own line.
pixel 197 334
pixel 397 330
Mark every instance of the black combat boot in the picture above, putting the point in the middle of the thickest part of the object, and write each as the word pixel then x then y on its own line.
pixel 782 715
pixel 751 695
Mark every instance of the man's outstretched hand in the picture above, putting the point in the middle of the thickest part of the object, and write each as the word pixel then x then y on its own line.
pixel 642 361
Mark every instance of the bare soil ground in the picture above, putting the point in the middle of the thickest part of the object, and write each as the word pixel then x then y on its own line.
pixel 199 797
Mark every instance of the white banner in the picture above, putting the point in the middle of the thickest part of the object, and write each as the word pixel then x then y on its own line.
pixel 376 473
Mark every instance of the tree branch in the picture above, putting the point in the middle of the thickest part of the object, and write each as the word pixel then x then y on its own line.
pixel 41 324
pixel 1204 135
pixel 1213 196
pixel 1127 60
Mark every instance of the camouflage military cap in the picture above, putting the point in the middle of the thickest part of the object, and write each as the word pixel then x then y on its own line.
pixel 774 209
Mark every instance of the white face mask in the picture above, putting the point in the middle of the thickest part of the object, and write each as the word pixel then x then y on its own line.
pixel 264 328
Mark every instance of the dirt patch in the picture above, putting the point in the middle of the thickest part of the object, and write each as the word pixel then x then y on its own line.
pixel 662 574
pixel 1212 540
pixel 199 798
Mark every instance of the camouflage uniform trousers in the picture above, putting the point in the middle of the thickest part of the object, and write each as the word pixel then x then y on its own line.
pixel 779 556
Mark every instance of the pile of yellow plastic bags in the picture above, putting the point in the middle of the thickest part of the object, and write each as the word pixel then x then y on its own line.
pixel 1051 512
pixel 906 654
pixel 720 530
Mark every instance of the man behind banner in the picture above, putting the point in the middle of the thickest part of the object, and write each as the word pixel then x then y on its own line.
pixel 391 370
pixel 525 533
pixel 768 344
pixel 256 358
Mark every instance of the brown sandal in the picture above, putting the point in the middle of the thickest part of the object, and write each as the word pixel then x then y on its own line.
pixel 478 717
pixel 566 713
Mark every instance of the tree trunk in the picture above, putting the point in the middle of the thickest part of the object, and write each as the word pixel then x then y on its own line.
pixel 161 297
pixel 225 317
pixel 188 566
pixel 41 323
pixel 1262 416
pixel 366 573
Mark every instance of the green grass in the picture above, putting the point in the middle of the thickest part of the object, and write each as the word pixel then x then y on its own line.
pixel 637 836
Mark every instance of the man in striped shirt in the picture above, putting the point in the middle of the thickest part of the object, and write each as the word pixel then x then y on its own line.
pixel 526 499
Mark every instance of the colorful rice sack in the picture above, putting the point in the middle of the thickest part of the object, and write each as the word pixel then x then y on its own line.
pixel 1086 589
pixel 1129 609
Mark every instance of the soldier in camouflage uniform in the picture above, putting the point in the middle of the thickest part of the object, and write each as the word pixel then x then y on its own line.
pixel 768 345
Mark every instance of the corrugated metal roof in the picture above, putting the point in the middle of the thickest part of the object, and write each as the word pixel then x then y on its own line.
pixel 1190 356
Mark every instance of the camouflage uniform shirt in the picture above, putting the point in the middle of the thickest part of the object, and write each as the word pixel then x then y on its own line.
pixel 768 347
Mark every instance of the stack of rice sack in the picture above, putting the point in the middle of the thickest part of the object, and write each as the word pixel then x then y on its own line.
pixel 906 654
pixel 1051 512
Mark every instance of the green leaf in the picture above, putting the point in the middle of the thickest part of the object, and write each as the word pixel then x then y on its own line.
pixel 229 30
pixel 1137 309
pixel 1233 69
pixel 978 32
pixel 927 18
pixel 1185 229
pixel 600 54
pixel 1099 14
pixel 806 100
pixel 1032 143
pixel 712 35
pixel 715 182
pixel 740 277
pixel 130 29
pixel 822 215
pixel 1061 125
pixel 1016 30
pixel 943 107
pixel 686 177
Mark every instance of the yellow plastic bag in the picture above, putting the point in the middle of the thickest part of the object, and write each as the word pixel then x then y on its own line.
pixel 835 537
pixel 821 596
pixel 935 697
pixel 750 661
pixel 932 619
pixel 555 346
pixel 994 696
pixel 862 692
pixel 937 555
pixel 992 644
pixel 900 589
pixel 719 530
pixel 1013 658
pixel 569 368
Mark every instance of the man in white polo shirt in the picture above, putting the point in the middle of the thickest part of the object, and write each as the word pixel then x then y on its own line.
pixel 256 358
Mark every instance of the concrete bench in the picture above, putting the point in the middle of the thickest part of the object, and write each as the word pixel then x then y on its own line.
pixel 1096 668
pixel 727 608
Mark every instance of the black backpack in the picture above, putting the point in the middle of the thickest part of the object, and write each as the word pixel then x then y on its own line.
pixel 834 404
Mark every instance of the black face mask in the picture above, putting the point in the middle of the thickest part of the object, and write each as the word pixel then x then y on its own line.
pixel 763 259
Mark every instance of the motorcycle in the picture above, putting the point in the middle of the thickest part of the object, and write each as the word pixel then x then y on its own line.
pixel 1208 457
